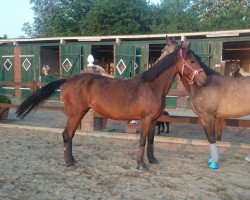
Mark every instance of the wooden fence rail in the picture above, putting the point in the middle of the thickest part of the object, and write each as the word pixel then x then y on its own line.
pixel 34 85
pixel 219 122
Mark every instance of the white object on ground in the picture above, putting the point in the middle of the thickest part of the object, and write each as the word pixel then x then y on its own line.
pixel 247 158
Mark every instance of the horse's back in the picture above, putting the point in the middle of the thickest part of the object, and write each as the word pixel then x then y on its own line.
pixel 113 98
pixel 233 95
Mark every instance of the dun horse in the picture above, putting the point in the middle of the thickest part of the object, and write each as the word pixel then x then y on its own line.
pixel 140 97
pixel 221 97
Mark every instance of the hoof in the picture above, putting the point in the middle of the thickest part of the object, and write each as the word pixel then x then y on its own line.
pixel 142 166
pixel 213 165
pixel 209 160
pixel 153 161
pixel 73 160
pixel 69 163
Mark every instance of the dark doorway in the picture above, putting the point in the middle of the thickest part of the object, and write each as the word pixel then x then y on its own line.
pixel 238 52
pixel 154 53
pixel 49 63
pixel 104 57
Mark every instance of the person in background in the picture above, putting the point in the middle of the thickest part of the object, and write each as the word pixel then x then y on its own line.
pixel 45 70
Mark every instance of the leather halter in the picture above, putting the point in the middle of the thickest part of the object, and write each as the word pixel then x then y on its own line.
pixel 193 73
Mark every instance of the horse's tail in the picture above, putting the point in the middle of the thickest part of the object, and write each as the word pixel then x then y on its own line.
pixel 37 98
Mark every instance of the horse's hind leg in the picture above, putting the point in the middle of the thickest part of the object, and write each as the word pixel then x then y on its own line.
pixel 68 134
pixel 150 145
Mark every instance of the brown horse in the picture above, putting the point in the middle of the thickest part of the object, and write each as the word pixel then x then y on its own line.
pixel 232 69
pixel 221 97
pixel 140 97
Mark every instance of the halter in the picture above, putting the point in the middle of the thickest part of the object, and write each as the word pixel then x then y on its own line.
pixel 194 72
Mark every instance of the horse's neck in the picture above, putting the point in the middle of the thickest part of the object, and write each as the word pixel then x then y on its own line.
pixel 164 81
pixel 192 89
pixel 186 85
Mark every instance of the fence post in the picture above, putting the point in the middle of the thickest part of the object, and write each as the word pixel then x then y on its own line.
pixel 33 85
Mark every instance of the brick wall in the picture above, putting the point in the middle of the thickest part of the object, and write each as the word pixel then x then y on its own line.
pixel 17 69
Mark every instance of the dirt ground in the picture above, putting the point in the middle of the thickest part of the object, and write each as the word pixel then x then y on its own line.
pixel 32 167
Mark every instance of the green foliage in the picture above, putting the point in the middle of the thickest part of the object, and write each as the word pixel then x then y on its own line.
pixel 5 99
pixel 174 16
pixel 222 14
pixel 115 17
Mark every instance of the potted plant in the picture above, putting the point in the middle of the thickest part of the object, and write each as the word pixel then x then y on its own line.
pixel 4 112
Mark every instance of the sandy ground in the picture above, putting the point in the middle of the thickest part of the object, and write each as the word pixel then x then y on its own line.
pixel 32 165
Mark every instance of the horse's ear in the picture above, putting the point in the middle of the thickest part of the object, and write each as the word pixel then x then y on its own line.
pixel 170 40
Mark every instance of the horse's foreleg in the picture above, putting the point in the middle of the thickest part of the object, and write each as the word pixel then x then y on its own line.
pixel 145 127
pixel 209 127
pixel 150 145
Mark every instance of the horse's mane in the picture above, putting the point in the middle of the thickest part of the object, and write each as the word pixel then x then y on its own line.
pixel 203 65
pixel 160 66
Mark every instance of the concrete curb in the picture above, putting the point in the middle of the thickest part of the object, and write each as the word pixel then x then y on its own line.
pixel 128 136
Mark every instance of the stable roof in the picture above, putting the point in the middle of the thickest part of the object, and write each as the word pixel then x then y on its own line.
pixel 116 38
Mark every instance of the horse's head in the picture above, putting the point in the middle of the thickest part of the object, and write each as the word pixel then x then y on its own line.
pixel 231 69
pixel 188 66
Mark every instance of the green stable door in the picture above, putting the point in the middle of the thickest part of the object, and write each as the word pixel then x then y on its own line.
pixel 71 59
pixel 127 61
pixel 29 67
pixel 7 68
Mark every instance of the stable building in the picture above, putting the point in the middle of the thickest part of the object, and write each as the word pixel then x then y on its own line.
pixel 122 56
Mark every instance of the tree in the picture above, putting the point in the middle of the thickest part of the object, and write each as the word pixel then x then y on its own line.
pixel 173 16
pixel 69 17
pixel 57 17
pixel 222 14
pixel 115 17
pixel 44 11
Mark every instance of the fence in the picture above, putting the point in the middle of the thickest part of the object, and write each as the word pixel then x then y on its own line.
pixel 35 85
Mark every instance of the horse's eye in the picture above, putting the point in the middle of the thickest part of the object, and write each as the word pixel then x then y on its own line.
pixel 192 61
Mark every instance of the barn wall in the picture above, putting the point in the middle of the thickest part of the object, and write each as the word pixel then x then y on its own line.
pixel 209 49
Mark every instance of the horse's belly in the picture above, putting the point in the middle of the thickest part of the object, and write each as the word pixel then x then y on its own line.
pixel 117 114
pixel 234 107
pixel 117 110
